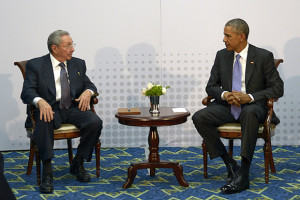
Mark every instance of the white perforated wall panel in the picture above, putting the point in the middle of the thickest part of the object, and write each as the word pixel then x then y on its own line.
pixel 128 43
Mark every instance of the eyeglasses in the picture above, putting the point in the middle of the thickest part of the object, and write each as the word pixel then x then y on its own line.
pixel 69 46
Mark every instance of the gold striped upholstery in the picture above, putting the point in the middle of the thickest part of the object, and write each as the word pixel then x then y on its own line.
pixel 236 128
pixel 65 128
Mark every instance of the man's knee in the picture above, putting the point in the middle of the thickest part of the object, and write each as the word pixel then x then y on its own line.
pixel 45 127
pixel 95 123
pixel 198 117
pixel 249 111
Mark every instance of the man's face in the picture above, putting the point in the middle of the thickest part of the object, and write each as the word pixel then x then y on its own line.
pixel 234 41
pixel 64 50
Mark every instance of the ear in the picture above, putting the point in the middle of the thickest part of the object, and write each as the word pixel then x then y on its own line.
pixel 243 37
pixel 54 48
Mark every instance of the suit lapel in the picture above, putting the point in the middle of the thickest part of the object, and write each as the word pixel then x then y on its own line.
pixel 250 65
pixel 229 67
pixel 72 73
pixel 48 74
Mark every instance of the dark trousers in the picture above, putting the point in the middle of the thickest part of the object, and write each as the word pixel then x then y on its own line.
pixel 89 124
pixel 208 119
pixel 5 191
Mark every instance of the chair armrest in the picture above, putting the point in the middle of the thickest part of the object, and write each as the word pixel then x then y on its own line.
pixel 267 123
pixel 207 100
pixel 30 114
pixel 270 109
pixel 94 100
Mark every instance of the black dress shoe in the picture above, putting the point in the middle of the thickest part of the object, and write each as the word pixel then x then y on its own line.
pixel 233 168
pixel 238 184
pixel 77 169
pixel 47 178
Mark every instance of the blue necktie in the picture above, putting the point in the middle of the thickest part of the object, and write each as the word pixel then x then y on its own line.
pixel 236 84
pixel 65 100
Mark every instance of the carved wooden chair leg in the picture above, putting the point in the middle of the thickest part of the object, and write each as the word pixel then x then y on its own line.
pixel 31 157
pixel 267 161
pixel 70 150
pixel 272 165
pixel 97 154
pixel 204 159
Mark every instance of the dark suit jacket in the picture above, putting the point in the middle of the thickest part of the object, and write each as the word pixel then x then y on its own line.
pixel 39 79
pixel 5 190
pixel 262 78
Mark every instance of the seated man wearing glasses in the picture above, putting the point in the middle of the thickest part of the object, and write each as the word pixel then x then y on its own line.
pixel 58 86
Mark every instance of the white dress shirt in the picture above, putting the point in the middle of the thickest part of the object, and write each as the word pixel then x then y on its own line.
pixel 56 72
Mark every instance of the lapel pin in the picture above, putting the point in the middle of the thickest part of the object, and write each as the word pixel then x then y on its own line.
pixel 78 73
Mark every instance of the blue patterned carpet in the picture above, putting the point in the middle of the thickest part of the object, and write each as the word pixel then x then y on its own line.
pixel 285 184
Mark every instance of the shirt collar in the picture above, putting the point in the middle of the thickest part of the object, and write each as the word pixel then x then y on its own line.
pixel 244 52
pixel 55 62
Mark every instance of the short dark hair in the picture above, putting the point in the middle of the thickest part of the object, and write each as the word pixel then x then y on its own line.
pixel 239 25
pixel 55 38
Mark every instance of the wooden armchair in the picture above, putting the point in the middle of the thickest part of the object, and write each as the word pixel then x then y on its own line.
pixel 232 131
pixel 66 131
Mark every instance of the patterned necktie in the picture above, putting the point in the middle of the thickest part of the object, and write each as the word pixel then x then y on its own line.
pixel 236 84
pixel 65 100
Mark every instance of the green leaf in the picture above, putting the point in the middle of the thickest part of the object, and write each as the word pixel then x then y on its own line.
pixel 156 90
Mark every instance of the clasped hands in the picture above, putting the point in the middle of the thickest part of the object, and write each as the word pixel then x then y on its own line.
pixel 46 111
pixel 237 98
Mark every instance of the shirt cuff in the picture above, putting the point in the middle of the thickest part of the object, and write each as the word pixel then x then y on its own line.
pixel 252 99
pixel 35 100
pixel 222 95
pixel 91 92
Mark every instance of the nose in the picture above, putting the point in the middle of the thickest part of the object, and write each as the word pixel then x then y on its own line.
pixel 225 39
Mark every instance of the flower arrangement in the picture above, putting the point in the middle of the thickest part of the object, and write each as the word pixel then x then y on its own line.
pixel 154 90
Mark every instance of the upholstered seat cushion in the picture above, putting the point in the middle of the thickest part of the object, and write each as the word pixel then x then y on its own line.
pixel 64 128
pixel 236 127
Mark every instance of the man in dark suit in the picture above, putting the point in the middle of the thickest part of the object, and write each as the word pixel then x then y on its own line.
pixel 242 78
pixel 58 86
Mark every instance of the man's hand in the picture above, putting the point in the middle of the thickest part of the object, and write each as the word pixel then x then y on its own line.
pixel 243 98
pixel 46 112
pixel 232 98
pixel 84 100
pixel 237 98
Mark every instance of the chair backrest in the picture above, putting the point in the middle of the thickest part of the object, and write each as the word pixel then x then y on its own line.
pixel 22 66
pixel 277 62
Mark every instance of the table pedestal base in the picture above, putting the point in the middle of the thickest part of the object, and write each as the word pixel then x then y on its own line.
pixel 154 162
pixel 177 169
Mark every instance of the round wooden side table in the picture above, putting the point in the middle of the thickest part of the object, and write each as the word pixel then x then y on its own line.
pixel 166 117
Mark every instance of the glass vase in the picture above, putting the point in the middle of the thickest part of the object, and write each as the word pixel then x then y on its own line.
pixel 154 104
